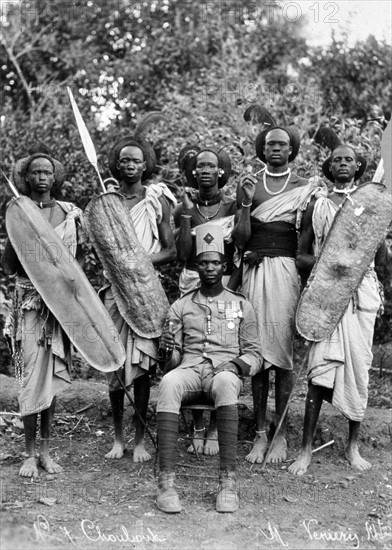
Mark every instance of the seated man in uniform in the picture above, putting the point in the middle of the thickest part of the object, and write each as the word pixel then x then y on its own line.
pixel 211 342
pixel 206 172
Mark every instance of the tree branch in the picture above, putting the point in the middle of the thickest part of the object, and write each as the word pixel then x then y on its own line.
pixel 18 69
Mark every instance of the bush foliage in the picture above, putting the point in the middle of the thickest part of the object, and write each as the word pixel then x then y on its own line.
pixel 201 65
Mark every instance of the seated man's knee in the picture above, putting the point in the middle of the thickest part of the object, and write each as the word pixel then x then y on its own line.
pixel 226 387
pixel 169 383
pixel 170 391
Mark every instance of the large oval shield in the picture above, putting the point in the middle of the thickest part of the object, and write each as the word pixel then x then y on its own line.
pixel 356 232
pixel 136 287
pixel 64 287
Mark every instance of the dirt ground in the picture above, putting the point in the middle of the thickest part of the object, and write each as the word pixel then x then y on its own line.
pixel 95 503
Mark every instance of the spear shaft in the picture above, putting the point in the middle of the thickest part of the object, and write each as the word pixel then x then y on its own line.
pixel 11 185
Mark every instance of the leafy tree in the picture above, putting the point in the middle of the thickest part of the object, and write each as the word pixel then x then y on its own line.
pixel 200 64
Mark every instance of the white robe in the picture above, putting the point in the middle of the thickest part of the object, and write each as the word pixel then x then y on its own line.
pixel 273 288
pixel 342 361
pixel 141 353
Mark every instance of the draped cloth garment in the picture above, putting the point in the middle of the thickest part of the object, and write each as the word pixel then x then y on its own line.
pixel 273 288
pixel 38 341
pixel 342 361
pixel 141 353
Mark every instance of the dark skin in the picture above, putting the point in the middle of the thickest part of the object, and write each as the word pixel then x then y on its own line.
pixel 131 165
pixel 206 174
pixel 40 177
pixel 207 177
pixel 250 194
pixel 211 268
pixel 343 168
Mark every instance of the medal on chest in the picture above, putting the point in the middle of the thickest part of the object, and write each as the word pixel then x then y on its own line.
pixel 233 311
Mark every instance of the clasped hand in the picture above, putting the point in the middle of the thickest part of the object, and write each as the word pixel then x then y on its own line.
pixel 167 341
pixel 188 197
pixel 248 186
pixel 252 259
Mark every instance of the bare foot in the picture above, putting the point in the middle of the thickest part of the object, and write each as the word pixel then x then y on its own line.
pixel 140 454
pixel 29 467
pixel 211 445
pixel 49 464
pixel 355 459
pixel 117 450
pixel 198 442
pixel 300 466
pixel 259 447
pixel 279 450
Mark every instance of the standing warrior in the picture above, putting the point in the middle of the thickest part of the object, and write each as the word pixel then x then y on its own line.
pixel 266 232
pixel 338 366
pixel 207 172
pixel 132 161
pixel 212 343
pixel 41 350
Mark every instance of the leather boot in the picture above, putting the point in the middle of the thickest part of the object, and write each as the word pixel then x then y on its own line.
pixel 227 499
pixel 168 500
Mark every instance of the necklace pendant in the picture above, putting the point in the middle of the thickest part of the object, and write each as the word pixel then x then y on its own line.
pixel 207 218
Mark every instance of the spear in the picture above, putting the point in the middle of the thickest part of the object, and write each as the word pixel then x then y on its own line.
pixel 85 137
pixel 92 157
pixel 11 185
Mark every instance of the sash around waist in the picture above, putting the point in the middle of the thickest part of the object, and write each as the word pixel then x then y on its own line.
pixel 273 239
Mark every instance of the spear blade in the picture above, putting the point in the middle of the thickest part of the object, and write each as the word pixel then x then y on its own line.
pixel 85 137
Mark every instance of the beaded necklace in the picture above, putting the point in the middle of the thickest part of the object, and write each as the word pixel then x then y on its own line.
pixel 345 191
pixel 208 202
pixel 207 218
pixel 288 172
pixel 277 174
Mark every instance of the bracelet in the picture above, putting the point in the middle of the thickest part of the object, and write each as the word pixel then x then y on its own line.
pixel 201 430
pixel 246 205
pixel 187 216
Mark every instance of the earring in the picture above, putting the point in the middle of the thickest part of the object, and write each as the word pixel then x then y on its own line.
pixel 359 164
pixel 194 172
pixel 220 172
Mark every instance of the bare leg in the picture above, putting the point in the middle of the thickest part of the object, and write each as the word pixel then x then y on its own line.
pixel 117 403
pixel 30 465
pixel 211 446
pixel 141 390
pixel 314 400
pixel 199 432
pixel 46 461
pixel 260 398
pixel 352 452
pixel 283 387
